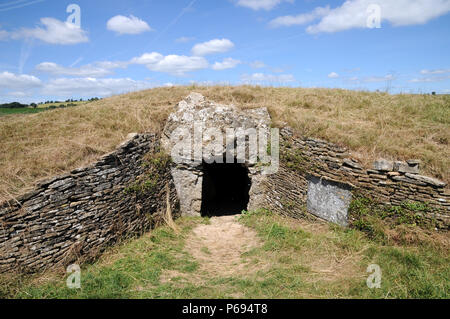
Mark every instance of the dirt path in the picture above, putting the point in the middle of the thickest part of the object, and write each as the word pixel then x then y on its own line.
pixel 218 246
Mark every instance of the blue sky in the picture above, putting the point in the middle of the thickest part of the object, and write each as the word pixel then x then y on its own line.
pixel 121 46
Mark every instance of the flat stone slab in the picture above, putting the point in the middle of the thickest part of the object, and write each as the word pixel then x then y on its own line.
pixel 383 165
pixel 329 200
pixel 404 167
pixel 427 180
pixel 351 163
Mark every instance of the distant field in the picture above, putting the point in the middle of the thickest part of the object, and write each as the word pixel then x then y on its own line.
pixel 8 111
pixel 39 108
pixel 371 124
pixel 47 105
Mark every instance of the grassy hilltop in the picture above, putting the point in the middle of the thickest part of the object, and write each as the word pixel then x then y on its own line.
pixel 372 125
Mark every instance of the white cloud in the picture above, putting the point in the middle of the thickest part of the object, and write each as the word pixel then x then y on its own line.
pixel 4 35
pixel 148 58
pixel 369 79
pixel 372 79
pixel 333 75
pixel 277 70
pixel 438 71
pixel 354 14
pixel 257 65
pixel 173 64
pixel 179 64
pixel 430 76
pixel 18 82
pixel 430 79
pixel 112 64
pixel 261 4
pixel 212 47
pixel 18 94
pixel 227 63
pixel 184 39
pixel 83 71
pixel 262 78
pixel 352 70
pixel 127 25
pixel 93 87
pixel 54 32
pixel 20 86
pixel 286 21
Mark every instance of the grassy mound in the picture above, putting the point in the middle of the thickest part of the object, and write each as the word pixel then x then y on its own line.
pixel 372 125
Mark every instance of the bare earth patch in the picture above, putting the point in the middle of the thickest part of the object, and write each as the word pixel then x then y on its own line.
pixel 218 247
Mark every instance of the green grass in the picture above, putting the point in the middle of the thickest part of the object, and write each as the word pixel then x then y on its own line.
pixel 75 103
pixel 39 108
pixel 9 111
pixel 297 259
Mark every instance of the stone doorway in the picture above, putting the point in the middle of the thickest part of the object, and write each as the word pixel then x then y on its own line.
pixel 214 189
pixel 225 189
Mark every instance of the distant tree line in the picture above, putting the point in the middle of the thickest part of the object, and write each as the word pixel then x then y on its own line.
pixel 14 105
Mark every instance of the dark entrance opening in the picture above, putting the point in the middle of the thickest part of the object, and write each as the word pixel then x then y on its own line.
pixel 225 189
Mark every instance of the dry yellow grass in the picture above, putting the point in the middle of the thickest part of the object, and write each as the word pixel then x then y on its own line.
pixel 372 125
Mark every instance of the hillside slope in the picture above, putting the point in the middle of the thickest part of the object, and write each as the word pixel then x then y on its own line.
pixel 372 125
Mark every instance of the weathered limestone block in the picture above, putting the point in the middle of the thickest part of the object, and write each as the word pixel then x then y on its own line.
pixel 188 183
pixel 413 162
pixel 383 165
pixel 329 200
pixel 404 167
pixel 352 163
pixel 426 179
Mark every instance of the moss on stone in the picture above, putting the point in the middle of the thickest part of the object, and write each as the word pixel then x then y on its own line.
pixel 365 214
pixel 156 165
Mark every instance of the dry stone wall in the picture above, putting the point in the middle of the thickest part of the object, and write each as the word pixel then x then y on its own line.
pixel 388 183
pixel 77 215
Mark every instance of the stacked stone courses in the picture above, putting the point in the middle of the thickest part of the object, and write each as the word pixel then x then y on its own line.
pixel 81 213
pixel 388 182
